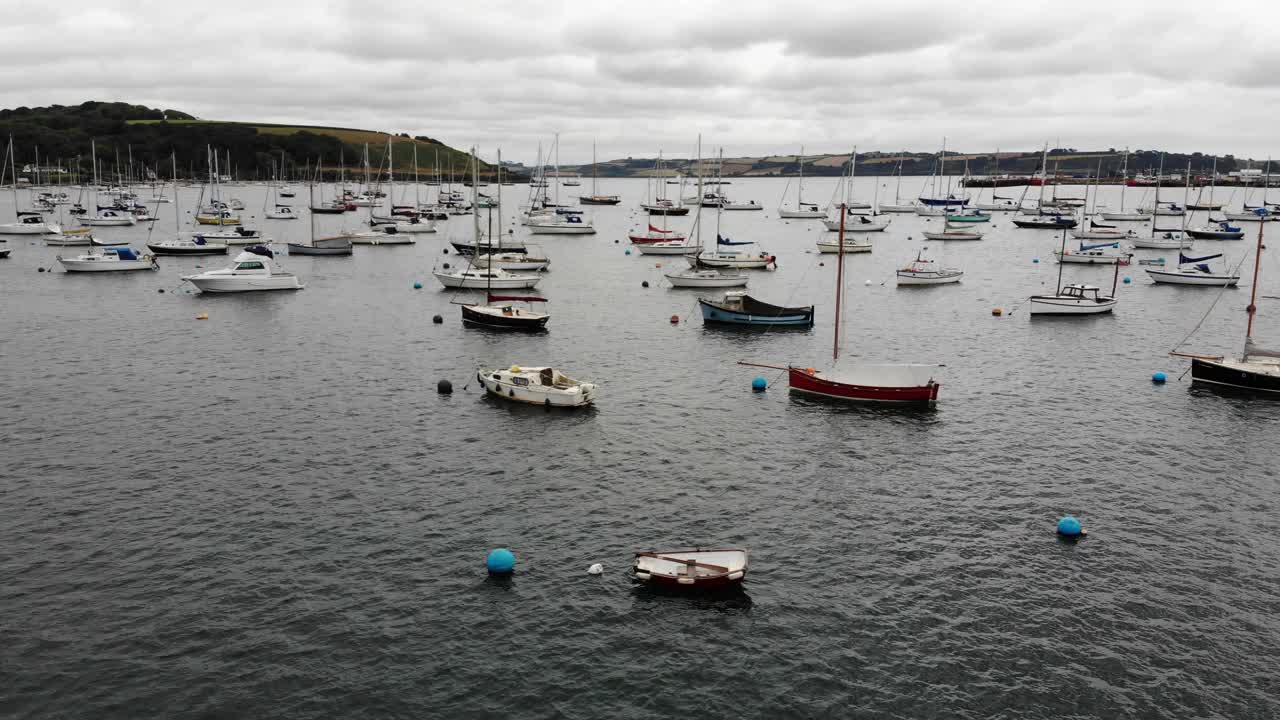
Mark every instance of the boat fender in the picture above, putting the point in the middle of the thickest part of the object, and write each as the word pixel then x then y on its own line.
pixel 547 403
pixel 735 574
pixel 446 266
pixel 642 576
pixel 596 569
pixel 511 393
pixel 675 319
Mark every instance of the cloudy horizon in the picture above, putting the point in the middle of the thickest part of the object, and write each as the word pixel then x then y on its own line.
pixel 751 77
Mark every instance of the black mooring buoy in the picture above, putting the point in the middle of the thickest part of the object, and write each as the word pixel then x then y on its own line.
pixel 444 387
pixel 437 319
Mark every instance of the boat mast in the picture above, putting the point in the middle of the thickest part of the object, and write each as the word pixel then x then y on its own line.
pixel 835 341
pixel 1253 290
pixel 557 169
pixel 1186 200
pixel 897 191
pixel 594 192
pixel 1061 254
pixel 1212 180
pixel 697 221
pixel 1124 178
pixel 416 199
pixel 1155 207
pixel 311 193
pixel 1044 176
pixel 799 185
pixel 177 207
pixel 14 169
pixel 853 172
pixel 942 169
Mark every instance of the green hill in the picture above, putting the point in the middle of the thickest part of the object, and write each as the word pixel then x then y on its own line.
pixel 62 133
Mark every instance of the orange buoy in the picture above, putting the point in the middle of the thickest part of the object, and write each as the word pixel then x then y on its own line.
pixel 997 311
pixel 657 265
pixel 675 319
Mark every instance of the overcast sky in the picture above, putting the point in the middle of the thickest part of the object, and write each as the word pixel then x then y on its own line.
pixel 756 77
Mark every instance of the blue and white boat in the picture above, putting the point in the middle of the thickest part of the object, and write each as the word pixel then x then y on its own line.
pixel 739 308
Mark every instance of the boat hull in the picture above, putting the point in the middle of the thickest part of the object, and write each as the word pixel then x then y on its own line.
pixel 160 249
pixel 718 314
pixel 243 284
pixel 801 214
pixel 566 229
pixel 808 382
pixel 473 317
pixel 907 277
pixel 856 227
pixel 1177 278
pixel 1235 376
pixel 694 281
pixel 670 212
pixel 76 265
pixel 1053 305
pixel 849 247
pixel 296 249
pixel 951 235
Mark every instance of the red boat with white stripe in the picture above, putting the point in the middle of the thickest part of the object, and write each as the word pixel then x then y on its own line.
pixel 656 235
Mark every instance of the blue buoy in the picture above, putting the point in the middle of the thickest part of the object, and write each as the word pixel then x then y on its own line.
pixel 417 285
pixel 500 562
pixel 1070 527
pixel 759 384
pixel 1035 260
pixel 628 251
pixel 1127 280
pixel 1158 377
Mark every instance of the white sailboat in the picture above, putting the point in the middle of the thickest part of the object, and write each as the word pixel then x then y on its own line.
pixel 1194 271
pixel 803 210
pixel 1075 299
pixel 1123 215
pixel 897 206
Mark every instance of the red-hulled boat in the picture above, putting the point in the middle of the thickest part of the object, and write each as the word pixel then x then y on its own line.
pixel 691 569
pixel 656 235
pixel 862 382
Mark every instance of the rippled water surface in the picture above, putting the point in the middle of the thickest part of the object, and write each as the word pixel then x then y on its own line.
pixel 272 513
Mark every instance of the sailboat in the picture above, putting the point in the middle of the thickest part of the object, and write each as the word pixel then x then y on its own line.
pixel 104 217
pixel 950 199
pixel 26 223
pixel 803 210
pixel 863 223
pixel 1074 299
pixel 595 198
pixel 707 278
pixel 1261 213
pixel 1122 214
pixel 897 206
pixel 724 255
pixel 1257 370
pixel 1194 271
pixel 339 245
pixel 863 382
pixel 998 203
pixel 1200 204
pixel 1169 240
pixel 195 244
pixel 489 277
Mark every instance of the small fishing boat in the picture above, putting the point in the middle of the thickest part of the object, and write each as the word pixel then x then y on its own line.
pixel 1046 222
pixel 501 313
pixel 1095 254
pixel 196 244
pixel 1073 300
pixel 112 259
pixel 485 278
pixel 537 386
pixel 1194 271
pixel 253 270
pixel 1218 231
pixel 926 272
pixel 690 569
pixel 866 382
pixel 739 308
pixel 706 279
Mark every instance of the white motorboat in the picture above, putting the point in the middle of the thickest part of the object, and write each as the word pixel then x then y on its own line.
pixel 858 224
pixel 1168 241
pixel 1072 300
pixel 486 278
pixel 1096 254
pixel 706 279
pixel 282 212
pixel 538 386
pixel 954 232
pixel 560 225
pixel 30 225
pixel 112 259
pixel 110 218
pixel 253 270
pixel 828 245
pixel 926 272
pixel 1194 271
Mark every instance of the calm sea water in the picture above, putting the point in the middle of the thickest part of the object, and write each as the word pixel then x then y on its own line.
pixel 272 513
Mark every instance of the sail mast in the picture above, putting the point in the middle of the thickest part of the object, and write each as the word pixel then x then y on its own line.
pixel 835 341
pixel 1155 206
pixel 1253 290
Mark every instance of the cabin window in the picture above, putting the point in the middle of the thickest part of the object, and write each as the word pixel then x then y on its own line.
pixel 249 266
pixel 522 382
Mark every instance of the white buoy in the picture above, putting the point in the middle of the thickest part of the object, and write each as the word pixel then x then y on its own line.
pixel 596 569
